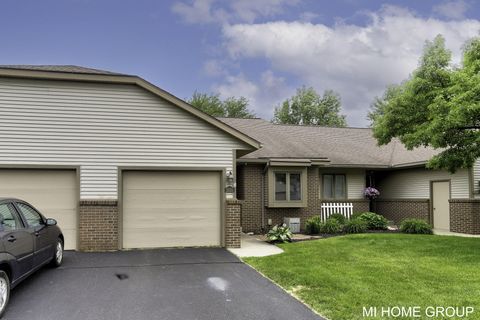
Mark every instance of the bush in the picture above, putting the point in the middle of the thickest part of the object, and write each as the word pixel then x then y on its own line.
pixel 340 218
pixel 313 225
pixel 374 221
pixel 355 226
pixel 356 215
pixel 417 226
pixel 279 234
pixel 331 226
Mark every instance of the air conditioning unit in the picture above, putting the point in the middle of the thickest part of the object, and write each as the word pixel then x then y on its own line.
pixel 293 224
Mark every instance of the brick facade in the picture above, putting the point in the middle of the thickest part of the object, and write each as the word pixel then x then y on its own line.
pixel 251 181
pixel 397 210
pixel 233 230
pixel 98 225
pixel 465 216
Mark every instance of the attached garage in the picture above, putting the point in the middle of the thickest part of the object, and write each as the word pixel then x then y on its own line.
pixel 53 192
pixel 171 209
pixel 120 133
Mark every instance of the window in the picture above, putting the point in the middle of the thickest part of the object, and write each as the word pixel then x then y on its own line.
pixel 34 219
pixel 288 186
pixel 8 218
pixel 280 186
pixel 295 187
pixel 334 186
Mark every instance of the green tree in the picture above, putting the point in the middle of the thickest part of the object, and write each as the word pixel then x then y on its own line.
pixel 212 104
pixel 438 106
pixel 309 108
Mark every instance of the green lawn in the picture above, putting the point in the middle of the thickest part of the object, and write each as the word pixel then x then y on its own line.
pixel 340 275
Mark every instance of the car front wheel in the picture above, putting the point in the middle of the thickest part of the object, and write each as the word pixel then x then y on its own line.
pixel 58 255
pixel 4 291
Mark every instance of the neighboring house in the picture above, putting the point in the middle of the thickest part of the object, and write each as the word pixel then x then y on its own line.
pixel 301 167
pixel 119 162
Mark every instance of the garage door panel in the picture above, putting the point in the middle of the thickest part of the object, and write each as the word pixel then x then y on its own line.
pixel 174 180
pixel 170 209
pixel 176 196
pixel 53 192
pixel 168 237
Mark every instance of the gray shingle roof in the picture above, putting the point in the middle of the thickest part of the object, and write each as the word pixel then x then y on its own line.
pixel 60 68
pixel 342 146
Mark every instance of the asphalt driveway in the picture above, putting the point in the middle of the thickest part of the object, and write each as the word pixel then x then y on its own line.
pixel 152 284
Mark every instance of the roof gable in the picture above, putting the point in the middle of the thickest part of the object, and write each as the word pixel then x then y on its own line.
pixel 75 73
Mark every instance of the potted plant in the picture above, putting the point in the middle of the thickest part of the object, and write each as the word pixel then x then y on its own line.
pixel 371 194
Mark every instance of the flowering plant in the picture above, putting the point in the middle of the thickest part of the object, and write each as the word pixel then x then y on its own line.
pixel 371 193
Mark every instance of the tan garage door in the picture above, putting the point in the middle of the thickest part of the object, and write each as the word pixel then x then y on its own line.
pixel 171 209
pixel 53 192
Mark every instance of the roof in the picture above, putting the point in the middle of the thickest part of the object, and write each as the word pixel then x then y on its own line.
pixel 59 68
pixel 356 147
pixel 76 73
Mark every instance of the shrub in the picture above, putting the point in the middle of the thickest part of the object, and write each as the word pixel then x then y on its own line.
pixel 355 226
pixel 374 221
pixel 355 215
pixel 331 226
pixel 415 226
pixel 279 234
pixel 340 218
pixel 313 225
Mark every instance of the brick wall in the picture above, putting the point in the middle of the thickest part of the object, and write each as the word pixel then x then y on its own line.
pixel 233 211
pixel 397 210
pixel 249 181
pixel 249 185
pixel 465 216
pixel 98 225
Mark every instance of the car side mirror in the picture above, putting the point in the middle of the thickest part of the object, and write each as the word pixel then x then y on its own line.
pixel 51 222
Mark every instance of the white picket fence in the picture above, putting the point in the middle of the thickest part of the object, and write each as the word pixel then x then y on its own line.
pixel 329 208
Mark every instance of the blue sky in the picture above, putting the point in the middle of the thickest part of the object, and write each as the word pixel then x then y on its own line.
pixel 260 49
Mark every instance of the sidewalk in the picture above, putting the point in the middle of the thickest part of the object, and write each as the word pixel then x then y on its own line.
pixel 253 247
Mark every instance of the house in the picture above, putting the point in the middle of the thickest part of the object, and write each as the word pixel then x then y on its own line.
pixel 117 161
pixel 122 164
pixel 299 168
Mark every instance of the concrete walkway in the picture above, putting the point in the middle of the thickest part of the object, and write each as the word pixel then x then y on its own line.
pixel 448 233
pixel 253 247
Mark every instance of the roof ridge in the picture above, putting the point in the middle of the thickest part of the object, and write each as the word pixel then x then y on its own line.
pixel 315 126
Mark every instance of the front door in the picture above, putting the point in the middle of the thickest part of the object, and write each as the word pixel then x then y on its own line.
pixel 441 206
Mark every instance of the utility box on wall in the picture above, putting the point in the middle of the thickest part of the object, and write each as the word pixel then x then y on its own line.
pixel 293 224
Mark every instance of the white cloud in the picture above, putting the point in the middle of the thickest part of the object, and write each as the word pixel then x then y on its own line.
pixel 263 96
pixel 214 68
pixel 237 86
pixel 356 61
pixel 210 11
pixel 199 11
pixel 452 9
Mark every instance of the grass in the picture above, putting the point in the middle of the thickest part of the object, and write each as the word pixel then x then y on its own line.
pixel 338 276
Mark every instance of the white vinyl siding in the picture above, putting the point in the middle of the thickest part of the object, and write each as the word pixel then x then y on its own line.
pixel 476 179
pixel 355 181
pixel 100 127
pixel 415 183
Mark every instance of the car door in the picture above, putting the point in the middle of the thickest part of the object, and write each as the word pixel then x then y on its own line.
pixel 17 240
pixel 42 244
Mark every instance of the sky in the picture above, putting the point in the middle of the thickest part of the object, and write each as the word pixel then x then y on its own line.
pixel 260 49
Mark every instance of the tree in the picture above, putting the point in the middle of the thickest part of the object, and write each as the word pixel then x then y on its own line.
pixel 212 104
pixel 308 107
pixel 438 106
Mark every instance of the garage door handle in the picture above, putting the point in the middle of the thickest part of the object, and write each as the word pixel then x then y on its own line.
pixel 11 239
